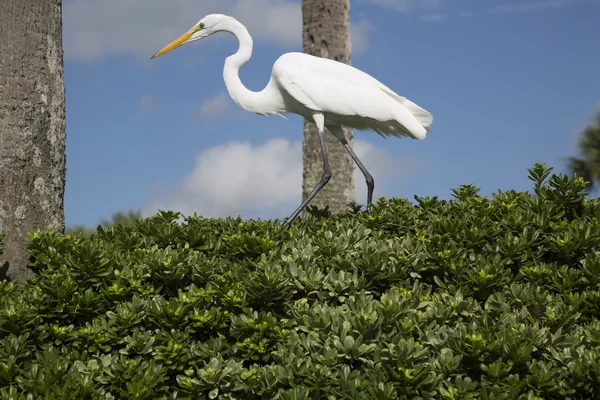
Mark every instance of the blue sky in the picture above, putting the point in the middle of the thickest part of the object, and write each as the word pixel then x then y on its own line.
pixel 508 83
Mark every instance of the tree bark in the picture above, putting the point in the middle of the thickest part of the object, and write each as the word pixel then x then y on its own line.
pixel 326 33
pixel 32 127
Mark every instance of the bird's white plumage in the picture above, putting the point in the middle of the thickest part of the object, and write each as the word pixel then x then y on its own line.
pixel 347 96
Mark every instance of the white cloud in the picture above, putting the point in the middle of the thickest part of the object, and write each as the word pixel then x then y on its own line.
pixel 396 5
pixel 359 36
pixel 428 10
pixel 147 105
pixel 95 29
pixel 433 17
pixel 408 5
pixel 216 106
pixel 530 6
pixel 382 166
pixel 239 178
pixel 275 21
pixel 264 180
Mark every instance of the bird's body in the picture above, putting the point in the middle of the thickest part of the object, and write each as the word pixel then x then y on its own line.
pixel 303 84
pixel 329 93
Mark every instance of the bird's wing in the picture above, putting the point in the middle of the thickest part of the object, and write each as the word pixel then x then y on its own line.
pixel 326 85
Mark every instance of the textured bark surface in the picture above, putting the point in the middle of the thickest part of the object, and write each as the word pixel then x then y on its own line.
pixel 326 33
pixel 32 127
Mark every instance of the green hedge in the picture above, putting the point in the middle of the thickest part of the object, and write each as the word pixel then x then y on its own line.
pixel 487 298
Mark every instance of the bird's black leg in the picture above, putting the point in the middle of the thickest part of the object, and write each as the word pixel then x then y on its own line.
pixel 324 179
pixel 339 133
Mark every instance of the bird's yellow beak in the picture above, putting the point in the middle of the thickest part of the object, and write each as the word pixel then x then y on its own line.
pixel 176 43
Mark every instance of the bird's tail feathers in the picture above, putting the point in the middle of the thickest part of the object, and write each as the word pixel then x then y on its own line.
pixel 423 116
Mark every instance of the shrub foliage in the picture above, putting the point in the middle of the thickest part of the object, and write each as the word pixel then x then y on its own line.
pixel 487 298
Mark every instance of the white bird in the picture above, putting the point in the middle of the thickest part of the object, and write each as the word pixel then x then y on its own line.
pixel 329 93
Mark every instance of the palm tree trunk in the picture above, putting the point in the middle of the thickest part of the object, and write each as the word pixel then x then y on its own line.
pixel 326 33
pixel 587 164
pixel 32 127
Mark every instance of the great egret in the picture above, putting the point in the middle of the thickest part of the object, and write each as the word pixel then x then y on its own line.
pixel 329 93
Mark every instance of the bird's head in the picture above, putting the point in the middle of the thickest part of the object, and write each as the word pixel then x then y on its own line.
pixel 208 25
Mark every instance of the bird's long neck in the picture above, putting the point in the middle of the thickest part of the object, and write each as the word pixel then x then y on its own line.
pixel 245 98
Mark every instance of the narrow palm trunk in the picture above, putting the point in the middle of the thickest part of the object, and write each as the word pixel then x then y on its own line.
pixel 326 33
pixel 32 127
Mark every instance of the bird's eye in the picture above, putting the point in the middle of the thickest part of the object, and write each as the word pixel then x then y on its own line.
pixel 201 26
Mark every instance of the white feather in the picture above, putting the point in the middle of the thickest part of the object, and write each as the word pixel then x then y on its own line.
pixel 346 96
